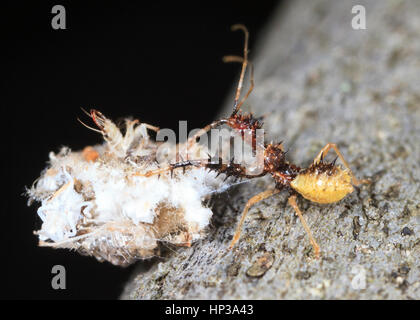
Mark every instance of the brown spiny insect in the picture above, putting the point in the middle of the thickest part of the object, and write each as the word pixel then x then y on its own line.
pixel 321 182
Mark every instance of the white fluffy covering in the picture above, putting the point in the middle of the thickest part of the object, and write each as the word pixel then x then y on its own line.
pixel 101 207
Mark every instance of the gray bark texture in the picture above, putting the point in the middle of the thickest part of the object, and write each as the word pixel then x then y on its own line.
pixel 320 81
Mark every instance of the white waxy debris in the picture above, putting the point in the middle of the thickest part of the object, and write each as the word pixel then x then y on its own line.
pixel 95 201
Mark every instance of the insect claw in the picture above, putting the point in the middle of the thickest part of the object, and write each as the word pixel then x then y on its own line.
pixel 333 162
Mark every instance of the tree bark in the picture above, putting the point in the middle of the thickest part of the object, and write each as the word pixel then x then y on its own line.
pixel 319 81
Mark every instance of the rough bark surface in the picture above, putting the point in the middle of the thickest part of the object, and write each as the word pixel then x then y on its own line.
pixel 320 81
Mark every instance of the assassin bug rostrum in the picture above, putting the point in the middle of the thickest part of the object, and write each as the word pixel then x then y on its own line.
pixel 321 182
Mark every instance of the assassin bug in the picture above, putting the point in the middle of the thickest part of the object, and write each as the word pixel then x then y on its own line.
pixel 322 182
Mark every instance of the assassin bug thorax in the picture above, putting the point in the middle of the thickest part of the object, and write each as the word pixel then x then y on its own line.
pixel 321 182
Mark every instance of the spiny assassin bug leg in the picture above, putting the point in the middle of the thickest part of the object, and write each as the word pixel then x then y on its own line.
pixel 262 196
pixel 230 169
pixel 228 59
pixel 235 121
pixel 293 204
pixel 193 140
pixel 257 198
pixel 171 168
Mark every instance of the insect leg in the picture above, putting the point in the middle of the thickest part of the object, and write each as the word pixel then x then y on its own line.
pixel 148 126
pixel 191 141
pixel 333 146
pixel 261 196
pixel 171 167
pixel 251 87
pixel 236 106
pixel 151 127
pixel 292 202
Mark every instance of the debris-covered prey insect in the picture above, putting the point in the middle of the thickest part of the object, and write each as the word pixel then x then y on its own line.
pixel 100 202
pixel 321 182
pixel 92 201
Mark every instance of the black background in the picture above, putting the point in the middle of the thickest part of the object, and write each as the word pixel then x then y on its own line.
pixel 157 61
